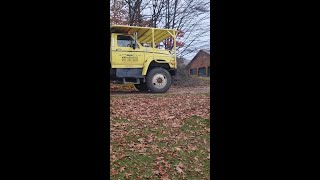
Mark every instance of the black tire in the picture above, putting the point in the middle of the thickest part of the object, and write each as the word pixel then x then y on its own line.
pixel 142 87
pixel 159 80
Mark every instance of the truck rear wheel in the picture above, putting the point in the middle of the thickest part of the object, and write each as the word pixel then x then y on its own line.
pixel 158 80
pixel 141 87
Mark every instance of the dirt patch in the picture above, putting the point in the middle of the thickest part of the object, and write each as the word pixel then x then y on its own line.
pixel 172 90
pixel 191 90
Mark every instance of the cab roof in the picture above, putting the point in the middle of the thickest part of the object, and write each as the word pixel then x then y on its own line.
pixel 145 33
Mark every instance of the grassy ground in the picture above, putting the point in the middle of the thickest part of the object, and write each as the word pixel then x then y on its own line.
pixel 147 153
pixel 154 139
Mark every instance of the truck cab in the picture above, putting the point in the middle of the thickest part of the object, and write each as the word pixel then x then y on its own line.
pixel 135 57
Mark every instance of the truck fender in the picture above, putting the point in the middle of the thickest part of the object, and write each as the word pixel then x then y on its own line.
pixel 148 62
pixel 146 66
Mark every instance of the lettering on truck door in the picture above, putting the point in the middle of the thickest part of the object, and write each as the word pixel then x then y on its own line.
pixel 126 55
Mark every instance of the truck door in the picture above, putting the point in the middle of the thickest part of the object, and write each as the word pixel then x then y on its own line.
pixel 124 54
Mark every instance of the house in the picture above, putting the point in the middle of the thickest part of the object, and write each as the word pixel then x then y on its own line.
pixel 200 64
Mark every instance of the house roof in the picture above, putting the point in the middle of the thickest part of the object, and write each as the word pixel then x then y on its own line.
pixel 195 57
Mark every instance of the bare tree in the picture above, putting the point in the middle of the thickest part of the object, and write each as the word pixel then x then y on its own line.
pixel 192 18
pixel 135 16
pixel 117 12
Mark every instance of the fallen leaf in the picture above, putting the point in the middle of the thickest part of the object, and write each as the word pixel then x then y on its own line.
pixel 127 175
pixel 159 158
pixel 165 177
pixel 113 172
pixel 179 169
pixel 196 158
pixel 193 148
pixel 161 170
pixel 180 165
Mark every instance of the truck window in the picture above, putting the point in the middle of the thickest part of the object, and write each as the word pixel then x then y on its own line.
pixel 125 41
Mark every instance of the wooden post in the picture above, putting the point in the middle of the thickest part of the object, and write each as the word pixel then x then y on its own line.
pixel 153 45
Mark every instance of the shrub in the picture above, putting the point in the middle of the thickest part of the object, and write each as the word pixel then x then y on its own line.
pixel 184 79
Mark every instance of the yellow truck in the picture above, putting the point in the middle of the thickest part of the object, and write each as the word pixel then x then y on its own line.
pixel 135 57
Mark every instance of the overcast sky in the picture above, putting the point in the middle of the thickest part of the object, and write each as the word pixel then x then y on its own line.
pixel 203 41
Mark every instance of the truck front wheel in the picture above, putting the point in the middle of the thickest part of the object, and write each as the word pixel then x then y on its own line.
pixel 158 80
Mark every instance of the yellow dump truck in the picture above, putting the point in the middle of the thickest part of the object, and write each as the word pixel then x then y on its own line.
pixel 135 57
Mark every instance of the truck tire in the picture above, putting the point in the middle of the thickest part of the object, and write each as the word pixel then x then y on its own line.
pixel 159 80
pixel 141 87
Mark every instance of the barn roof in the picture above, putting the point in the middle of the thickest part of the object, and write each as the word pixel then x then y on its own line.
pixel 206 50
pixel 195 57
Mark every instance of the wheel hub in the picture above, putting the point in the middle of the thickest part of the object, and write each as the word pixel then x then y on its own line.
pixel 159 81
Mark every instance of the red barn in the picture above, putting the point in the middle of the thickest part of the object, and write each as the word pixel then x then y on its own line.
pixel 200 64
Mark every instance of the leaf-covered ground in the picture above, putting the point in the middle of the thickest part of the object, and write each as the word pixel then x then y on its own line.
pixel 160 136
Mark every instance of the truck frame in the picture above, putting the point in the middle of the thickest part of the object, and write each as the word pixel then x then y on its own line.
pixel 135 58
